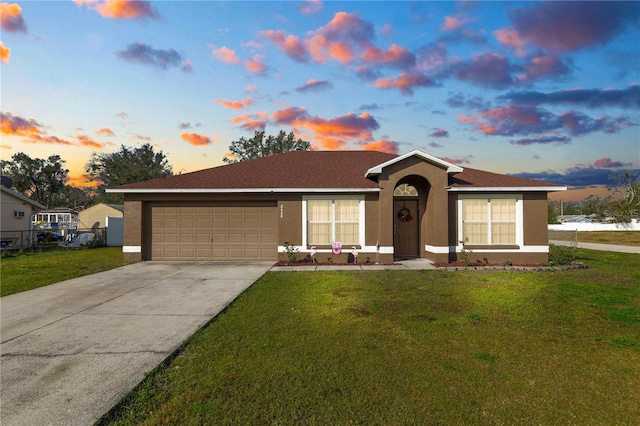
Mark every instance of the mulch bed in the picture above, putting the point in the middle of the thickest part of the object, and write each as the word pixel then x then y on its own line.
pixel 285 263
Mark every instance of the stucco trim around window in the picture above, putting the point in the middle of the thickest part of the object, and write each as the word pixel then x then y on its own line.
pixel 519 219
pixel 361 224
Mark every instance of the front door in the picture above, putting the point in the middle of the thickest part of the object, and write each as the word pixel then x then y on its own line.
pixel 406 228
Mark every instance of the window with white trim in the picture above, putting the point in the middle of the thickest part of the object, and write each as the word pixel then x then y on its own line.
pixel 493 220
pixel 333 219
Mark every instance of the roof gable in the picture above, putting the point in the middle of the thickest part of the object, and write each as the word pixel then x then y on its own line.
pixel 451 168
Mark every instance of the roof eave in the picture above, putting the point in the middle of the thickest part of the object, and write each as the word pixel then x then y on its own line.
pixel 507 189
pixel 23 198
pixel 451 168
pixel 237 190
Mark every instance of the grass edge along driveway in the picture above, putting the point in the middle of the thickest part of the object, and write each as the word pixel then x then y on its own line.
pixel 411 347
pixel 32 270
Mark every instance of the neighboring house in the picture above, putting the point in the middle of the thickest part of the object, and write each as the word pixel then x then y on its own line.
pixel 60 219
pixel 15 221
pixel 95 217
pixel 385 205
pixel 107 217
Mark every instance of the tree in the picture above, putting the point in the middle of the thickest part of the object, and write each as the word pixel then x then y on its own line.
pixel 259 146
pixel 599 206
pixel 128 165
pixel 41 179
pixel 626 192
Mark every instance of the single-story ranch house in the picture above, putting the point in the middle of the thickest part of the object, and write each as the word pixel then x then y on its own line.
pixel 386 206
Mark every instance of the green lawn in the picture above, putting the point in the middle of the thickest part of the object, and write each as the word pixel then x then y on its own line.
pixel 411 347
pixel 32 270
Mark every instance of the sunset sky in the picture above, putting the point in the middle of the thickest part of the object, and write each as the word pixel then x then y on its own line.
pixel 544 90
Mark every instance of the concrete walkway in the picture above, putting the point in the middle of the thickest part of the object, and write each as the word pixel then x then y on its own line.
pixel 72 350
pixel 602 247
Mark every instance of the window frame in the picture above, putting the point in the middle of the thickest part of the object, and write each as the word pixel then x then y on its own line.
pixel 519 220
pixel 333 198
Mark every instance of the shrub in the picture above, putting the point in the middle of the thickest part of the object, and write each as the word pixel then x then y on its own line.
pixel 561 255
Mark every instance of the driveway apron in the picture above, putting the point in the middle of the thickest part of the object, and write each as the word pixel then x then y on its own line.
pixel 72 350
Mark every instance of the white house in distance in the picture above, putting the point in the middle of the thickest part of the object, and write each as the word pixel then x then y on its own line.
pixel 15 226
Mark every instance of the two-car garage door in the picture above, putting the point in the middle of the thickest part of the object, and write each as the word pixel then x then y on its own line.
pixel 214 232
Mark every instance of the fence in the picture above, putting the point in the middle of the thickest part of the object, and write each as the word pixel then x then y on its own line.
pixel 38 238
pixel 566 235
pixel 634 225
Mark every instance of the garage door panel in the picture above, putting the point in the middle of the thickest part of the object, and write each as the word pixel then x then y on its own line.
pixel 213 233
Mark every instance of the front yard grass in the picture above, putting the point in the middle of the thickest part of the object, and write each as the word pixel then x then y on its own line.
pixel 411 347
pixel 32 270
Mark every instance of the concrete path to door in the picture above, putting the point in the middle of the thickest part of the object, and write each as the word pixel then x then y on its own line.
pixel 72 350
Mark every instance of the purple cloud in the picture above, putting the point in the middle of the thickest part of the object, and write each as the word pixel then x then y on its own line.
pixel 590 98
pixel 558 140
pixel 315 86
pixel 158 58
pixel 573 25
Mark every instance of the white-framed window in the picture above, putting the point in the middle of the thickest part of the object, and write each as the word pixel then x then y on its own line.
pixel 326 219
pixel 490 219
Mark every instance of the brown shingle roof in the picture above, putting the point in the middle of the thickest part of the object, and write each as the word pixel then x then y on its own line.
pixel 313 170
pixel 473 178
pixel 296 169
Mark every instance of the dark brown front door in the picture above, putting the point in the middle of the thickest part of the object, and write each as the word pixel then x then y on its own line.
pixel 406 228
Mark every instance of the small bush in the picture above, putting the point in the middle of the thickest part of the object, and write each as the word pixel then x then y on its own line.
pixel 561 255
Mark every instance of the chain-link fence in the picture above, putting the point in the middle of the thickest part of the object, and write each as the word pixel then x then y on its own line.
pixel 566 237
pixel 37 238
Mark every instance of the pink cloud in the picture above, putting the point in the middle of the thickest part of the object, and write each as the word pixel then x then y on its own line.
pixel 251 122
pixel 224 54
pixel 339 37
pixel 250 89
pixel 607 163
pixel 543 66
pixel 291 45
pixel 11 19
pixel 105 131
pixel 511 38
pixel 451 23
pixel 289 115
pixel 5 53
pixel 121 9
pixel 309 7
pixel 256 64
pixel 195 139
pixel 335 132
pixel 84 140
pixel 383 145
pixel 243 103
pixel 405 82
pixel 395 55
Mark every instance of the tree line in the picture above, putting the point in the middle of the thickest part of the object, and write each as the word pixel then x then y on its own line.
pixel 45 180
pixel 621 205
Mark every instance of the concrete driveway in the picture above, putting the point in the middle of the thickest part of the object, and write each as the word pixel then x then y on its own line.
pixel 71 350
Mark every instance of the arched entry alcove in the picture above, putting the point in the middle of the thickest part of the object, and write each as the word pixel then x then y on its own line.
pixel 409 206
